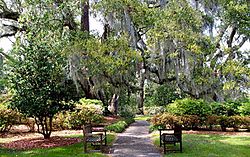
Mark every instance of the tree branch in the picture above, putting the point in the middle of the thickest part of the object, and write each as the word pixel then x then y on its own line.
pixel 230 40
pixel 240 44
pixel 7 34
pixel 10 15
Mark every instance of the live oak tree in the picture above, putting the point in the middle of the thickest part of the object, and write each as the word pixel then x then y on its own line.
pixel 192 43
pixel 194 46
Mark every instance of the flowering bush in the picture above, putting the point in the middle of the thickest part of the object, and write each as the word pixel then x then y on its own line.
pixel 8 118
pixel 194 122
pixel 165 120
pixel 86 111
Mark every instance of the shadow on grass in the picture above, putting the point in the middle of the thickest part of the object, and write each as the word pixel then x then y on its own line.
pixel 212 146
pixel 65 151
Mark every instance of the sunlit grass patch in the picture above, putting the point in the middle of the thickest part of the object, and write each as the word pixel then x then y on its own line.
pixel 211 146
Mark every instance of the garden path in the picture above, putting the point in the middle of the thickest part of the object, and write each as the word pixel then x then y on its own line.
pixel 135 142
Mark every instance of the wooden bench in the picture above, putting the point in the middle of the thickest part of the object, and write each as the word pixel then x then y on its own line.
pixel 94 134
pixel 171 136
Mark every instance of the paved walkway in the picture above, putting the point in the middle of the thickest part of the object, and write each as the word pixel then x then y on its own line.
pixel 135 142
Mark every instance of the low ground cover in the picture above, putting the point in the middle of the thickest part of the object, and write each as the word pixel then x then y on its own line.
pixel 120 125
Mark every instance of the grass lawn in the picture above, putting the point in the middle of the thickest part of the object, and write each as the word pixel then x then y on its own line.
pixel 212 146
pixel 66 151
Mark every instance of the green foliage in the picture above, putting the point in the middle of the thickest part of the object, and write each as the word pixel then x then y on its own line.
pixel 86 111
pixel 120 126
pixel 38 82
pixel 117 127
pixel 244 109
pixel 127 105
pixel 219 108
pixel 127 114
pixel 237 12
pixel 189 106
pixel 127 111
pixel 231 108
pixel 160 95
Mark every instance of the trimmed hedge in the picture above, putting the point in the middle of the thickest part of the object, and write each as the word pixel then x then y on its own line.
pixel 202 108
pixel 194 122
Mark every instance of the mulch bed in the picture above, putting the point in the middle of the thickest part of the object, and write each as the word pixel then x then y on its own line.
pixel 20 139
pixel 54 141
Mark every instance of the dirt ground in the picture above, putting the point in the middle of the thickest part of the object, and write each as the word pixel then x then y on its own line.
pixel 24 141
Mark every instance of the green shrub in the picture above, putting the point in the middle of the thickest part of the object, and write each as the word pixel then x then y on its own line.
pixel 126 114
pixel 154 128
pixel 120 126
pixel 233 108
pixel 219 109
pixel 189 106
pixel 85 112
pixel 117 127
pixel 129 120
pixel 244 109
pixel 160 95
pixel 127 111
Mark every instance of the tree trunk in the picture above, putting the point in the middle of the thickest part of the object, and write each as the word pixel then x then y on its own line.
pixel 46 125
pixel 85 15
pixel 141 92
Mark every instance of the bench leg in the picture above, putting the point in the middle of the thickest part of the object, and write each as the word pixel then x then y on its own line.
pixel 101 145
pixel 85 147
pixel 164 145
pixel 105 133
pixel 105 143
